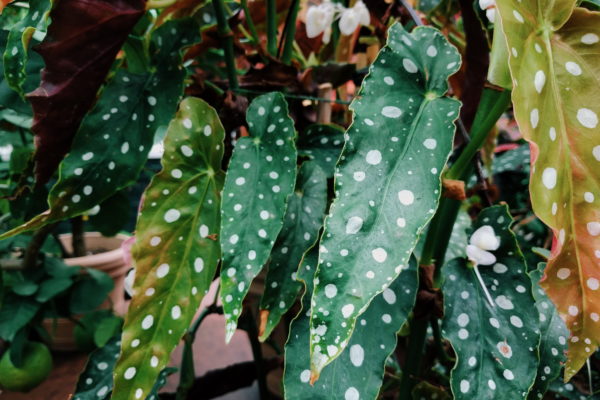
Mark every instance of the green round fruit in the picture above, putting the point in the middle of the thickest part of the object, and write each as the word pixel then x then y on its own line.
pixel 37 364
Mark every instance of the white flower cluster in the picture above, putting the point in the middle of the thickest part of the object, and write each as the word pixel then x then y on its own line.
pixel 320 18
pixel 490 8
pixel 481 243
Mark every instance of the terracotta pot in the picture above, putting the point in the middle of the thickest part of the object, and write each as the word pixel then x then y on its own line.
pixel 109 260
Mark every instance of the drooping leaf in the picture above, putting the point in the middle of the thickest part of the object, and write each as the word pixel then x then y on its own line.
pixel 303 219
pixel 15 313
pixel 260 178
pixel 112 145
pixel 495 345
pixel 79 49
pixel 15 55
pixel 358 372
pixel 553 343
pixel 322 144
pixel 387 181
pixel 96 380
pixel 176 249
pixel 555 66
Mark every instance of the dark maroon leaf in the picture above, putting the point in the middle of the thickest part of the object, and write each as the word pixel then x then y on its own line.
pixel 82 42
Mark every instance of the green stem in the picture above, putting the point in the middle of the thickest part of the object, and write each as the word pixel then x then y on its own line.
pixel 414 355
pixel 272 27
pixel 290 32
pixel 439 345
pixel 250 327
pixel 151 4
pixel 249 22
pixel 226 41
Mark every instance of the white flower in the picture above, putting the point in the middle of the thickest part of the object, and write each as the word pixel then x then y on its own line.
pixel 481 243
pixel 5 152
pixel 319 19
pixel 490 9
pixel 128 283
pixel 353 17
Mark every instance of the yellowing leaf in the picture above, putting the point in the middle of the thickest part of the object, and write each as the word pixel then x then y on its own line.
pixel 555 66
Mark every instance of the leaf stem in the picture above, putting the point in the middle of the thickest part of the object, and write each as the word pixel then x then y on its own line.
pixel 226 37
pixel 250 327
pixel 482 283
pixel 272 27
pixel 289 32
pixel 414 354
pixel 249 22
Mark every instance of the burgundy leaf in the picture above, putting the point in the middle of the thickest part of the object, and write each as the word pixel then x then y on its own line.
pixel 79 49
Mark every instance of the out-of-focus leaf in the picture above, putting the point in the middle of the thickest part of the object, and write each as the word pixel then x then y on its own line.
pixel 15 313
pixel 15 55
pixel 426 391
pixel 387 181
pixel 516 160
pixel 112 145
pixel 51 287
pixel 495 345
pixel 261 176
pixel 555 67
pixel 91 291
pixel 113 215
pixel 323 144
pixel 80 47
pixel 358 372
pixel 303 219
pixel 553 343
pixel 176 250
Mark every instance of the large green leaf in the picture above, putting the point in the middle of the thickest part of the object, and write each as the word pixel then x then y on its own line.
pixel 323 144
pixel 303 219
pixel 555 67
pixel 176 250
pixel 387 181
pixel 358 372
pixel 260 178
pixel 113 142
pixel 553 343
pixel 15 55
pixel 496 344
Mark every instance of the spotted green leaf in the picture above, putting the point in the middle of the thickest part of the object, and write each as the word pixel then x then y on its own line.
pixel 113 142
pixel 260 178
pixel 303 219
pixel 96 380
pixel 555 67
pixel 176 249
pixel 553 341
pixel 358 372
pixel 323 144
pixel 387 181
pixel 495 345
pixel 15 55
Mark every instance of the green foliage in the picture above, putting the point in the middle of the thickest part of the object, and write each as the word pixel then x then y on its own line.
pixel 322 144
pixel 358 372
pixel 387 182
pixel 261 176
pixel 179 223
pixel 302 222
pixel 495 344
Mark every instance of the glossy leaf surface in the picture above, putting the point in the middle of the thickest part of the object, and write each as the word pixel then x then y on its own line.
pixel 358 372
pixel 176 249
pixel 303 219
pixel 112 145
pixel 261 176
pixel 387 181
pixel 495 346
pixel 554 334
pixel 15 55
pixel 79 49
pixel 555 66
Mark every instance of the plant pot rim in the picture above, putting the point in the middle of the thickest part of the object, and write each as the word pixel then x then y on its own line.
pixel 102 257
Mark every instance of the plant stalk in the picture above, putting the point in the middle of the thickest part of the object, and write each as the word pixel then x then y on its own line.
pixel 226 37
pixel 289 32
pixel 249 22
pixel 414 354
pixel 78 237
pixel 32 252
pixel 272 27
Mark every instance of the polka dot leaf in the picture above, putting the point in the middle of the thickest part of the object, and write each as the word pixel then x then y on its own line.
pixel 112 145
pixel 260 178
pixel 323 144
pixel 552 345
pixel 387 181
pixel 176 250
pixel 358 372
pixel 96 380
pixel 495 345
pixel 554 60
pixel 303 219
pixel 19 37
